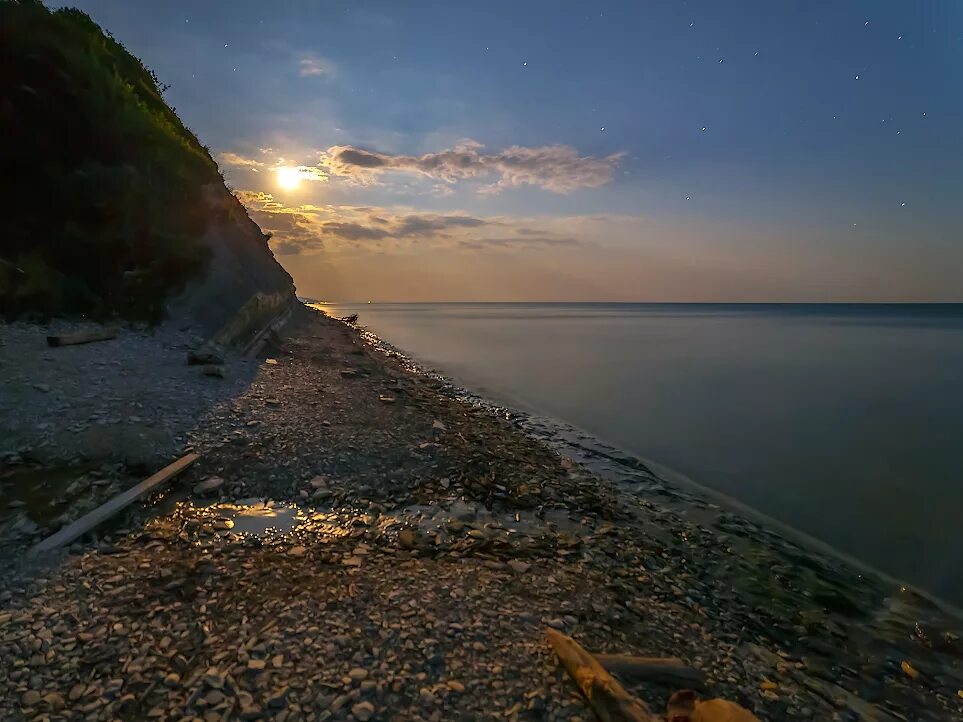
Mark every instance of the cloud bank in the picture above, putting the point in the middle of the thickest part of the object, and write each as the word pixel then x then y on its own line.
pixel 557 168
pixel 311 228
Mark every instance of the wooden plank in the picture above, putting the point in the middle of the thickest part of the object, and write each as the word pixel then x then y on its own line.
pixel 665 670
pixel 72 339
pixel 607 698
pixel 108 509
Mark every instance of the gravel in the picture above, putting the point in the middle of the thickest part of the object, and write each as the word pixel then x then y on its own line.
pixel 364 560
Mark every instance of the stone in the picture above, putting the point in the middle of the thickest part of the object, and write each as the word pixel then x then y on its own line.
pixel 256 664
pixel 455 686
pixel 297 551
pixel 54 700
pixel 518 566
pixel 357 674
pixel 363 711
pixel 209 485
pixel 212 370
pixel 408 538
pixel 203 358
pixel 438 426
pixel 77 691
pixel 30 698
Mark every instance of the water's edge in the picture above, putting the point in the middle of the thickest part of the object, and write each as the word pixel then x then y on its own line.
pixel 637 474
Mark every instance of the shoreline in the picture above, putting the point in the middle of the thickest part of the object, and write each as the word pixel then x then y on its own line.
pixel 547 428
pixel 420 545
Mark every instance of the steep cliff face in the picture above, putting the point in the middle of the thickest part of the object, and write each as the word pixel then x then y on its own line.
pixel 244 285
pixel 114 208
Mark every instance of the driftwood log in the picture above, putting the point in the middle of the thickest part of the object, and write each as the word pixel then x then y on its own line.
pixel 606 697
pixel 664 670
pixel 611 703
pixel 72 339
pixel 108 509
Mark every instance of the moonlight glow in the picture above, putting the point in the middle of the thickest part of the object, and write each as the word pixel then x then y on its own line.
pixel 288 178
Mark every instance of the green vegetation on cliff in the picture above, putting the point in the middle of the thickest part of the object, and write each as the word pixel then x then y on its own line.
pixel 104 208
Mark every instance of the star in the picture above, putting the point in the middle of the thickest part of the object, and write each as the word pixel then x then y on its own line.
pixel 857 76
pixel 602 128
pixel 525 62
pixel 902 204
pixel 687 197
pixel 703 130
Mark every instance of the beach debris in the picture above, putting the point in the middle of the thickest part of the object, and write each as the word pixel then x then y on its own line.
pixel 271 361
pixel 73 339
pixel 107 510
pixel 606 697
pixel 204 357
pixel 664 670
pixel 349 373
pixel 909 670
pixel 385 399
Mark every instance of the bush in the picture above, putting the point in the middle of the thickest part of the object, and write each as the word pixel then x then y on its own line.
pixel 105 209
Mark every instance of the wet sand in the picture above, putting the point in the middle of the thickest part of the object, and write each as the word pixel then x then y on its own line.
pixel 376 545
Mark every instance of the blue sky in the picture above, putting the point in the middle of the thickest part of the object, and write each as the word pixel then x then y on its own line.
pixel 659 150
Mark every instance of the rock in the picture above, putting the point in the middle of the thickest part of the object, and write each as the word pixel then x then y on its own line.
pixel 54 700
pixel 213 678
pixel 271 361
pixel 214 697
pixel 256 665
pixel 43 388
pixel 408 538
pixel 456 686
pixel 518 566
pixel 250 712
pixel 203 358
pixel 209 485
pixel 438 426
pixel 387 399
pixel 77 691
pixel 349 373
pixel 297 551
pixel 212 370
pixel 363 711
pixel 462 511
pixel 278 699
pixel 768 686
pixel 357 674
pixel 909 670
pixel 318 482
pixel 30 698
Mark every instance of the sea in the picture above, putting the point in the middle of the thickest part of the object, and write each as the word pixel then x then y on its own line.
pixel 843 421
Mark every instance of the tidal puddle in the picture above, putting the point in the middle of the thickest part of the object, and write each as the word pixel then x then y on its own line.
pixel 41 492
pixel 253 516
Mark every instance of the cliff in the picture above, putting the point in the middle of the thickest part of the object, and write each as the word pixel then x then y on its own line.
pixel 114 208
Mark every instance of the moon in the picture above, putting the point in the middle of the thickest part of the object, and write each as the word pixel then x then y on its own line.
pixel 288 178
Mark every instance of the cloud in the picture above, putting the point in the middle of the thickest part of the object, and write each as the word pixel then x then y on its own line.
pixel 310 228
pixel 557 168
pixel 239 161
pixel 310 65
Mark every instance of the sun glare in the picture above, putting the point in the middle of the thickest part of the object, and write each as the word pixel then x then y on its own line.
pixel 289 178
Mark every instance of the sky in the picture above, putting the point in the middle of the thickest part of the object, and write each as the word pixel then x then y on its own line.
pixel 644 150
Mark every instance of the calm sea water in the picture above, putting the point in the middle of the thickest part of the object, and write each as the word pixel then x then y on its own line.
pixel 844 421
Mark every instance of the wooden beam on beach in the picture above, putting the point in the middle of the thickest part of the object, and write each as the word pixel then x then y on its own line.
pixel 664 670
pixel 72 339
pixel 121 501
pixel 606 697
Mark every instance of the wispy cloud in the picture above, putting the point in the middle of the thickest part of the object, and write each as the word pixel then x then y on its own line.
pixel 239 161
pixel 310 65
pixel 557 168
pixel 308 228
